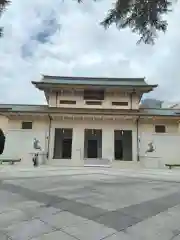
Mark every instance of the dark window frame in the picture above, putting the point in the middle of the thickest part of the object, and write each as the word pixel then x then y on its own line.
pixel 93 103
pixel 27 125
pixel 121 104
pixel 72 102
pixel 160 128
pixel 93 95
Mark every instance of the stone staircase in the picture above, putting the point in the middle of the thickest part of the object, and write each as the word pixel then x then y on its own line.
pixel 95 162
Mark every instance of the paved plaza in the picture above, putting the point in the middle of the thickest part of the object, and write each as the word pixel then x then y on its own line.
pixel 89 204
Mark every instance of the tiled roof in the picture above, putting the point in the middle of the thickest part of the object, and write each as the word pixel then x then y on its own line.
pixel 24 107
pixel 159 112
pixel 94 81
pixel 45 109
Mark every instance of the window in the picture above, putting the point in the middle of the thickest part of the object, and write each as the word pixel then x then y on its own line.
pixel 26 125
pixel 67 102
pixel 93 95
pixel 120 103
pixel 160 128
pixel 93 102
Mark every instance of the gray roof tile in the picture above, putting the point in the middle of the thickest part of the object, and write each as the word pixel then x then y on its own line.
pixel 159 111
pixel 24 107
pixel 95 81
pixel 44 108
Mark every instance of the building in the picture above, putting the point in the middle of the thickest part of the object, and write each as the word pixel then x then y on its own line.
pixel 92 121
pixel 174 105
pixel 151 103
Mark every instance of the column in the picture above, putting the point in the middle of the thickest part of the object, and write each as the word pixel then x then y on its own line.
pixel 108 143
pixel 78 146
pixel 4 124
pixel 178 127
pixel 134 146
pixel 51 143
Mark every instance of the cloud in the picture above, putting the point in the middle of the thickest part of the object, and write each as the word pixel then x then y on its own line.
pixel 65 38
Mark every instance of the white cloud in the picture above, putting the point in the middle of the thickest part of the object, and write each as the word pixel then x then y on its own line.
pixel 80 47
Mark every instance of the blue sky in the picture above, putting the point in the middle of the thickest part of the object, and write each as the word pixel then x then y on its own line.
pixel 64 38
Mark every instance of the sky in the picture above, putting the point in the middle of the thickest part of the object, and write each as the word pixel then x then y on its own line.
pixel 57 37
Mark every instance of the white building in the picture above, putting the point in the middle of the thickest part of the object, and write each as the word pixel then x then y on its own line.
pixel 92 121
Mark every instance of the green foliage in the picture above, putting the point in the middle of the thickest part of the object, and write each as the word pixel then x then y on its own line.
pixel 3 4
pixel 141 16
pixel 144 17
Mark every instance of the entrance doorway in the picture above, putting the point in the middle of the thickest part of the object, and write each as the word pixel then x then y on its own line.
pixel 66 148
pixel 123 145
pixel 118 149
pixel 93 143
pixel 92 149
pixel 63 143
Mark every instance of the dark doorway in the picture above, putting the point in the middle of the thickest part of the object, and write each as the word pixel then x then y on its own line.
pixel 92 149
pixel 123 145
pixel 63 143
pixel 93 143
pixel 118 151
pixel 127 145
pixel 66 148
pixel 118 145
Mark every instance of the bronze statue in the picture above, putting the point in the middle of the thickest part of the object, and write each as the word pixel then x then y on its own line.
pixel 151 147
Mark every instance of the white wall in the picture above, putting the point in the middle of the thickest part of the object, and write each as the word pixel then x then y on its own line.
pixel 167 149
pixel 4 123
pixel 149 127
pixel 19 142
pixel 54 100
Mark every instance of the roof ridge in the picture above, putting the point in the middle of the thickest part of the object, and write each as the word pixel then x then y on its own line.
pixel 171 109
pixel 95 78
pixel 21 104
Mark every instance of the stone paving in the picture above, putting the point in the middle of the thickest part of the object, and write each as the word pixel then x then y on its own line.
pixel 89 205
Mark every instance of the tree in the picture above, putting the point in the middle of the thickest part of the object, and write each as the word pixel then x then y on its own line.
pixel 3 4
pixel 143 17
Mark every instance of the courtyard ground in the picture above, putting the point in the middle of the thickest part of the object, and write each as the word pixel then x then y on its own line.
pixel 89 204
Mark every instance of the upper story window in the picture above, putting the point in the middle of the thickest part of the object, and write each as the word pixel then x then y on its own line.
pixel 67 102
pixel 26 125
pixel 120 104
pixel 93 94
pixel 160 128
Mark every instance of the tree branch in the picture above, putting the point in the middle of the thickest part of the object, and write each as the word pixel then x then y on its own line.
pixel 143 17
pixel 3 4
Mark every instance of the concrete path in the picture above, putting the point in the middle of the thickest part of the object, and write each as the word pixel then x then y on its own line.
pixel 89 204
